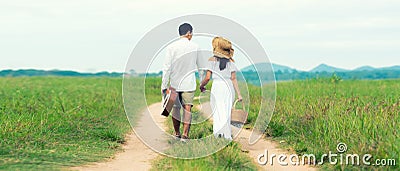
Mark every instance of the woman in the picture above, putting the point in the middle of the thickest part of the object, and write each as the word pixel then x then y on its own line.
pixel 222 68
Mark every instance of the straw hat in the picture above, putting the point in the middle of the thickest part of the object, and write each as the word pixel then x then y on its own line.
pixel 222 47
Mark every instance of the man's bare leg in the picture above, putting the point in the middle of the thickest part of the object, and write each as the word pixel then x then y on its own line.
pixel 176 120
pixel 187 119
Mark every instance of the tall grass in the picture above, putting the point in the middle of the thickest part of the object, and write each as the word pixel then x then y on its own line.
pixel 313 116
pixel 50 122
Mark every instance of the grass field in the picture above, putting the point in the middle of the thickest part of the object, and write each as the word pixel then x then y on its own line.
pixel 55 122
pixel 314 116
pixel 50 122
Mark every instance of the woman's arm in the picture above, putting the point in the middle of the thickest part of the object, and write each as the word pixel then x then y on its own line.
pixel 236 86
pixel 205 81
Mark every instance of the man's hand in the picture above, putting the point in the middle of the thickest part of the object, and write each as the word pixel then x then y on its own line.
pixel 164 91
pixel 202 89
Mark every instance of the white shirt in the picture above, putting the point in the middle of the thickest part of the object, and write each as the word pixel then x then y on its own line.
pixel 225 74
pixel 180 65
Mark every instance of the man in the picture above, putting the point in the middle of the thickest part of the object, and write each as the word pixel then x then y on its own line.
pixel 179 71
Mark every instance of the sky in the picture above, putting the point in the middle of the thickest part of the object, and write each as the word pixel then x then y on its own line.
pixel 99 35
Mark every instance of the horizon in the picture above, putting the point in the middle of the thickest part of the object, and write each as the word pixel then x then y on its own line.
pixel 99 36
pixel 93 72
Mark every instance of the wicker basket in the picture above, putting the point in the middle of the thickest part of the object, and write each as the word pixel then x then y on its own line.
pixel 239 116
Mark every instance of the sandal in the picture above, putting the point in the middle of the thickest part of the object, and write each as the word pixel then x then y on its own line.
pixel 177 137
pixel 184 138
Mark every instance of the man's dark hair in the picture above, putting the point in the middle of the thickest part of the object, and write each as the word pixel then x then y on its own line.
pixel 184 28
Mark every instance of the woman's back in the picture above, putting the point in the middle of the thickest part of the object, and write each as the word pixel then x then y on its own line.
pixel 218 74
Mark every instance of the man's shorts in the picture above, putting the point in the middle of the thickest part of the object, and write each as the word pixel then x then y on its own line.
pixel 184 98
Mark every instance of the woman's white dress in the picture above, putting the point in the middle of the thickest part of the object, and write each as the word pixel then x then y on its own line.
pixel 222 98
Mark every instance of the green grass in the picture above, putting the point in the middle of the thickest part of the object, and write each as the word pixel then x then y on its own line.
pixel 56 122
pixel 49 123
pixel 228 158
pixel 52 122
pixel 314 116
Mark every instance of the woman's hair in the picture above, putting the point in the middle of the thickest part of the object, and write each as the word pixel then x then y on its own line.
pixel 223 51
pixel 222 46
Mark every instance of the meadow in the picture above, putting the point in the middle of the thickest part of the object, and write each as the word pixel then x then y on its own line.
pixel 53 122
pixel 313 116
pixel 57 122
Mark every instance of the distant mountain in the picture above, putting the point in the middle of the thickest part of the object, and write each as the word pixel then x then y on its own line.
pixel 327 68
pixel 396 67
pixel 263 67
pixel 284 73
pixel 364 68
pixel 281 73
pixel 370 68
pixel 34 72
pixel 282 68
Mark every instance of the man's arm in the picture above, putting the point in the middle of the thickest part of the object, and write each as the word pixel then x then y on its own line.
pixel 205 81
pixel 166 69
pixel 200 63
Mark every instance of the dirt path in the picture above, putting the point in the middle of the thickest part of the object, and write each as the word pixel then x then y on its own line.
pixel 135 155
pixel 259 148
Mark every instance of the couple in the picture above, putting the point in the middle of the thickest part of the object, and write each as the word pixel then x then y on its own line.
pixel 182 59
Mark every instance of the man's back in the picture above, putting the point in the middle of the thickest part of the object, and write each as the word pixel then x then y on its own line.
pixel 180 65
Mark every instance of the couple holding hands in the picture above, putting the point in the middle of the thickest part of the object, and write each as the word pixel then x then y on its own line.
pixel 179 81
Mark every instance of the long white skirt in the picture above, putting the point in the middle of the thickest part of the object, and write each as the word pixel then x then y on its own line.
pixel 222 97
